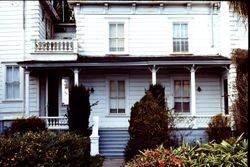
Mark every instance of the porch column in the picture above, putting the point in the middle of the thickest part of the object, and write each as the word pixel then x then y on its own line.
pixel 193 95
pixel 27 79
pixel 154 70
pixel 76 77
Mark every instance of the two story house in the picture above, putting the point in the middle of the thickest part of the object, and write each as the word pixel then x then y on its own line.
pixel 117 49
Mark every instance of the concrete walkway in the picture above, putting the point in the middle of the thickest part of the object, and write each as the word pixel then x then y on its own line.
pixel 113 162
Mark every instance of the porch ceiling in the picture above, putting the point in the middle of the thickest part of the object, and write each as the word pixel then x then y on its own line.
pixel 112 61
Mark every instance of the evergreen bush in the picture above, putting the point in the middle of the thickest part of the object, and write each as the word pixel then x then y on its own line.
pixel 218 128
pixel 149 122
pixel 79 110
pixel 44 149
pixel 23 125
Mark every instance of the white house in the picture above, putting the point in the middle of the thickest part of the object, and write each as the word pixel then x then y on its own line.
pixel 117 48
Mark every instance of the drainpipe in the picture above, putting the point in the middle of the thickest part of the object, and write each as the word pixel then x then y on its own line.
pixel 24 96
pixel 212 24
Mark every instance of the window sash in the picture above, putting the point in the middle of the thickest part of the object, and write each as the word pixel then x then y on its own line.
pixel 116 37
pixel 182 96
pixel 12 82
pixel 180 37
pixel 117 96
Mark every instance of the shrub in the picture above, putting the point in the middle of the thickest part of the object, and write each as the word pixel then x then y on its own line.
pixel 149 122
pixel 211 154
pixel 44 149
pixel 240 105
pixel 218 128
pixel 79 110
pixel 23 125
pixel 96 161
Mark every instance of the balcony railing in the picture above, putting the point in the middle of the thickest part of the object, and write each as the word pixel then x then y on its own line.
pixel 54 46
pixel 56 123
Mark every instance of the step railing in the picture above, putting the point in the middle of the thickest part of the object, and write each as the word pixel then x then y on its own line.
pixel 60 46
pixel 56 123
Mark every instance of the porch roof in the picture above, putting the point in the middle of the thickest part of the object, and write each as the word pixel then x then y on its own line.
pixel 131 61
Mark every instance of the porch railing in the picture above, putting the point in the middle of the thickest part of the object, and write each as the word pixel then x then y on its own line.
pixel 198 121
pixel 47 46
pixel 56 123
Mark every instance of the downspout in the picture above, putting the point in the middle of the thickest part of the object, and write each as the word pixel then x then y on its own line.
pixel 24 8
pixel 212 25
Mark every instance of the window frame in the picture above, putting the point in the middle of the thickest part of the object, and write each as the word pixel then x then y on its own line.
pixel 21 79
pixel 182 78
pixel 181 38
pixel 116 78
pixel 116 20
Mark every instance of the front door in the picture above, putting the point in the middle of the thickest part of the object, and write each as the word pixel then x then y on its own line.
pixel 53 86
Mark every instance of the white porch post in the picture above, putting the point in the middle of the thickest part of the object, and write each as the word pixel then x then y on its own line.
pixel 154 70
pixel 76 77
pixel 193 95
pixel 27 79
pixel 94 138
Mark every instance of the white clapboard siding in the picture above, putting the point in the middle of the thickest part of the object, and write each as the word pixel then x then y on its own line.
pixel 208 101
pixel 238 32
pixel 149 34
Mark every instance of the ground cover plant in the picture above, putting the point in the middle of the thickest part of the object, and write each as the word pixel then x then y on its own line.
pixel 44 149
pixel 225 154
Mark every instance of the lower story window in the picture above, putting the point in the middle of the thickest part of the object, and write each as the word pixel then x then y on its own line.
pixel 182 96
pixel 12 82
pixel 117 96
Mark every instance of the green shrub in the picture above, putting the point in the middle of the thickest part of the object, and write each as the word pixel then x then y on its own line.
pixel 79 110
pixel 149 122
pixel 23 125
pixel 218 128
pixel 44 149
pixel 211 154
pixel 96 161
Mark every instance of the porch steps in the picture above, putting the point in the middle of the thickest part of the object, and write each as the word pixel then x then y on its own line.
pixel 113 141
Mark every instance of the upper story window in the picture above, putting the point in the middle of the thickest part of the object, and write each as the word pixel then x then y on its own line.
pixel 116 37
pixel 117 96
pixel 12 82
pixel 180 37
pixel 182 96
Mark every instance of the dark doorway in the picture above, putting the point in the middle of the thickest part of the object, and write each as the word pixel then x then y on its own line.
pixel 225 96
pixel 53 82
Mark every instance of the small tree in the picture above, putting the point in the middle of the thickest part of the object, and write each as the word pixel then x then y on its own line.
pixel 240 106
pixel 149 122
pixel 79 110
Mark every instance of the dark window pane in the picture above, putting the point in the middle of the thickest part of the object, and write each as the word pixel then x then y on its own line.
pixel 186 107
pixel 177 106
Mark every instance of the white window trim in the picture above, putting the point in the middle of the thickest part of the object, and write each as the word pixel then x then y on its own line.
pixel 126 80
pixel 180 77
pixel 21 80
pixel 122 20
pixel 184 20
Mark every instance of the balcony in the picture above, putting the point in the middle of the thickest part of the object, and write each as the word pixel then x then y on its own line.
pixel 56 123
pixel 55 46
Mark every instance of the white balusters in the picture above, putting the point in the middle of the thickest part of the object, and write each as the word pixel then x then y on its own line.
pixel 44 46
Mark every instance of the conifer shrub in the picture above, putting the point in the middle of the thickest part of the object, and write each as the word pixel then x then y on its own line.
pixel 23 125
pixel 218 128
pixel 44 149
pixel 79 110
pixel 149 122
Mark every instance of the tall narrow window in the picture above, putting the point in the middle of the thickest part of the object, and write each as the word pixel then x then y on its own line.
pixel 180 37
pixel 182 96
pixel 117 96
pixel 12 82
pixel 116 37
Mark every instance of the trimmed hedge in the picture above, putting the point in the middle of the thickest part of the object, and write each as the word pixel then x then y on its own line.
pixel 23 125
pixel 44 149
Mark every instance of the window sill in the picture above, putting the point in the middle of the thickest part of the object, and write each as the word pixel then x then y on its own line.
pixel 181 53
pixel 117 115
pixel 12 100
pixel 117 54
